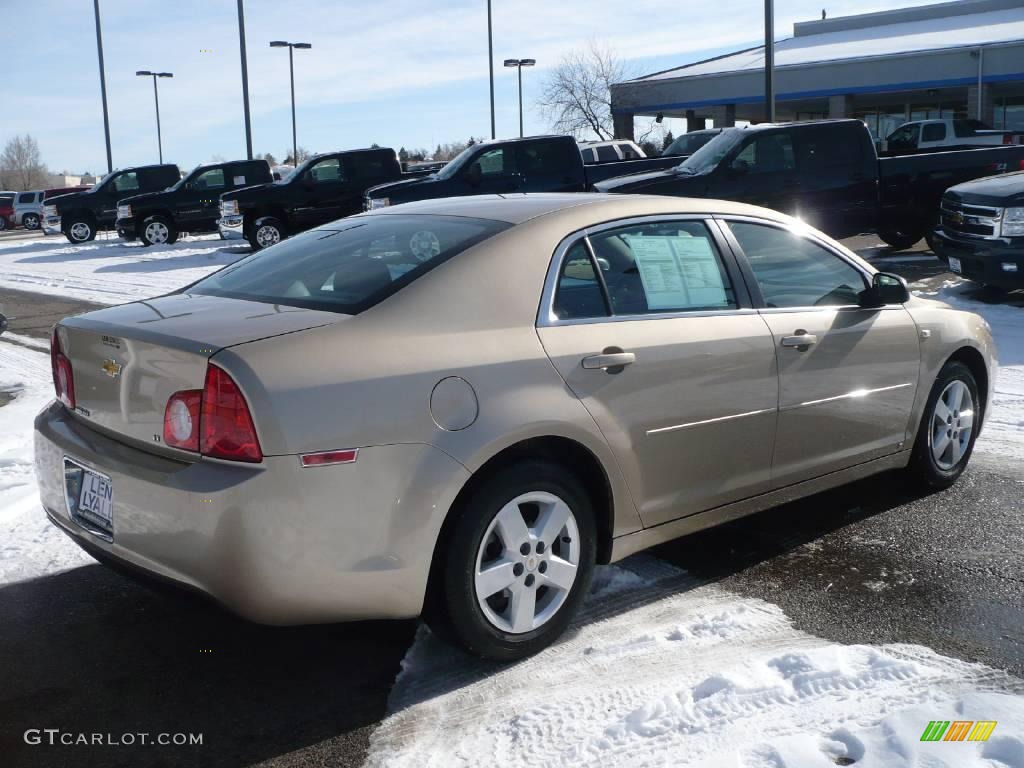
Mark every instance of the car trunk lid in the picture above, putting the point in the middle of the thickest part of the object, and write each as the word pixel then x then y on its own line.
pixel 128 360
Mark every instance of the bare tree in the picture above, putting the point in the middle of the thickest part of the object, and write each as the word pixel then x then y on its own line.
pixel 577 94
pixel 303 153
pixel 21 166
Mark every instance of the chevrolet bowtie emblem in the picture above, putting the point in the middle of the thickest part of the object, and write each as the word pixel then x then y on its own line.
pixel 112 369
pixel 956 217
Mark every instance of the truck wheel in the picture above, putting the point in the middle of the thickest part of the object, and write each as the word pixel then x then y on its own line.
pixel 932 241
pixel 266 232
pixel 158 230
pixel 31 221
pixel 80 230
pixel 900 240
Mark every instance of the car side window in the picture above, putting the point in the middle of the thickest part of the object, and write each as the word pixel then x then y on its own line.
pixel 326 171
pixel 211 179
pixel 933 132
pixel 668 266
pixel 126 182
pixel 497 162
pixel 768 153
pixel 793 271
pixel 26 197
pixel 606 154
pixel 579 293
pixel 544 158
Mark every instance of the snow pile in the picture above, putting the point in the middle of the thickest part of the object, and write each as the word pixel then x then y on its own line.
pixel 109 271
pixel 30 545
pixel 659 671
pixel 1003 434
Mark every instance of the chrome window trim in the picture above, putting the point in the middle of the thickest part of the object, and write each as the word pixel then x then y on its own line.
pixel 546 317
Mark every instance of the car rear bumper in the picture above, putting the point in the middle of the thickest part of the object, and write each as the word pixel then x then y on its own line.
pixel 231 227
pixel 992 262
pixel 51 225
pixel 275 543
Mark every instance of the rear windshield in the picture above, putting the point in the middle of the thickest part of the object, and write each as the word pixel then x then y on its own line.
pixel 351 265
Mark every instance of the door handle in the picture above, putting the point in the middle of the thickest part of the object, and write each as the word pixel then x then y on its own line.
pixel 801 340
pixel 610 362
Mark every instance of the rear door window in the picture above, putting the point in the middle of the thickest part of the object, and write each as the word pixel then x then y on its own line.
pixel 606 154
pixel 369 166
pixel 544 158
pixel 828 150
pixel 26 197
pixel 351 266
pixel 579 293
pixel 933 132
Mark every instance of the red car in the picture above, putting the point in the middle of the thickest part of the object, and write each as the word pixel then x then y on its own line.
pixel 6 210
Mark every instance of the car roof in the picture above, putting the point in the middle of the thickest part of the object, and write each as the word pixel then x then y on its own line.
pixel 519 208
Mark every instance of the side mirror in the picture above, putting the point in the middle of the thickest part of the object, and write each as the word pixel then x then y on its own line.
pixel 885 289
pixel 474 175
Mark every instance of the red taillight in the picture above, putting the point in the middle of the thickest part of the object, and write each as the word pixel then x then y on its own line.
pixel 63 375
pixel 181 419
pixel 226 427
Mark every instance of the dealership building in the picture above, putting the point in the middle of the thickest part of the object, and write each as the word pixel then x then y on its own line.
pixel 962 59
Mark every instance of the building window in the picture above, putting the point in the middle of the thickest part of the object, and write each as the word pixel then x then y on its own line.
pixel 1009 114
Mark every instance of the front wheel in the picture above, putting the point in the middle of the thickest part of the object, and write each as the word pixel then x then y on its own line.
pixel 900 239
pixel 158 230
pixel 518 562
pixel 266 232
pixel 31 221
pixel 80 230
pixel 949 427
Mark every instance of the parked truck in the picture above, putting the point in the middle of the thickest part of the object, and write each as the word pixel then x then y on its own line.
pixel 79 215
pixel 944 134
pixel 827 173
pixel 325 187
pixel 981 230
pixel 191 205
pixel 532 164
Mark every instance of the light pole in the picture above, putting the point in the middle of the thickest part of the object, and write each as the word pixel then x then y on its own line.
pixel 291 71
pixel 103 85
pixel 245 80
pixel 490 65
pixel 519 64
pixel 156 99
pixel 769 60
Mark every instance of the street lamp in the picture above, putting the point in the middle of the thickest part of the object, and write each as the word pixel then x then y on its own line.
pixel 519 64
pixel 291 71
pixel 156 98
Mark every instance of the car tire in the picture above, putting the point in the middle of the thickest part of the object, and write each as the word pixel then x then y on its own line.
pixel 533 524
pixel 266 232
pixel 158 230
pixel 31 221
pixel 935 248
pixel 3 223
pixel 900 240
pixel 940 454
pixel 80 230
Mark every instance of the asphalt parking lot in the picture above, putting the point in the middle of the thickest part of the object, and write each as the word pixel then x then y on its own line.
pixel 88 650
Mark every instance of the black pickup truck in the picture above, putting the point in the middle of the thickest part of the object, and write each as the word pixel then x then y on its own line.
pixel 324 188
pixel 191 205
pixel 981 231
pixel 533 164
pixel 79 215
pixel 827 173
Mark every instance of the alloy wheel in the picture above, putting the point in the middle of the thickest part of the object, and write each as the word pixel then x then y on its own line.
pixel 80 231
pixel 156 232
pixel 31 222
pixel 951 425
pixel 267 235
pixel 527 562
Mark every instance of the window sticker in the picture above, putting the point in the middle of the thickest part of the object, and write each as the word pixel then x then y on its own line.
pixel 678 272
pixel 239 180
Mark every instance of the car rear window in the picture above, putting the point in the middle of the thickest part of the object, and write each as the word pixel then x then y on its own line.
pixel 351 265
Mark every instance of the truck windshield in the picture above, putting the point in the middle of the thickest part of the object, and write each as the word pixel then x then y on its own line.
pixel 456 163
pixel 708 157
pixel 349 265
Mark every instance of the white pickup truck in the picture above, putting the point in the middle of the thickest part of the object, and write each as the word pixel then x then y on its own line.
pixel 944 134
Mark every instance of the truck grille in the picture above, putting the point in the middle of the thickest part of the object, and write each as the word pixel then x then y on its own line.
pixel 971 220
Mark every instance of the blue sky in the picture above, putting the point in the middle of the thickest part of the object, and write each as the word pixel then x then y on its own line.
pixel 395 72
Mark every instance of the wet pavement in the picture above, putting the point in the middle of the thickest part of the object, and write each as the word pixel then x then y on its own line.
pixel 88 650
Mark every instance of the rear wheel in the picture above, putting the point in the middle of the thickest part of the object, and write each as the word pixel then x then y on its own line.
pixel 518 562
pixel 80 230
pixel 945 438
pixel 900 239
pixel 31 221
pixel 3 223
pixel 158 230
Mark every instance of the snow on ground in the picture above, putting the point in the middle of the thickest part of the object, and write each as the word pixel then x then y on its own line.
pixel 662 671
pixel 29 545
pixel 109 271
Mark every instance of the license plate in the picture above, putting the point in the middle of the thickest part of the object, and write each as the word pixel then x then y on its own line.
pixel 90 498
pixel 954 264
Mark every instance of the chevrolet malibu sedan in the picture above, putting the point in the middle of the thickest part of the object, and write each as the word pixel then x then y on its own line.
pixel 456 408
